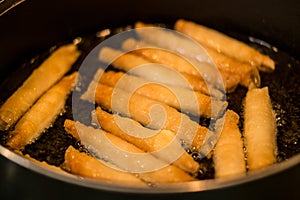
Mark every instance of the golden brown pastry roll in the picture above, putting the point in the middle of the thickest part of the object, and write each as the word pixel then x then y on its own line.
pixel 227 66
pixel 246 72
pixel 41 79
pixel 228 156
pixel 140 66
pixel 225 44
pixel 259 129
pixel 175 61
pixel 174 41
pixel 42 114
pixel 182 99
pixel 84 165
pixel 147 139
pixel 151 113
pixel 122 155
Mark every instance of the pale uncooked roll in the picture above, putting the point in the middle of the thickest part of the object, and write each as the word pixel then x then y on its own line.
pixel 260 129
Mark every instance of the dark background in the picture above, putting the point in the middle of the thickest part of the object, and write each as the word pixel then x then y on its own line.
pixel 36 25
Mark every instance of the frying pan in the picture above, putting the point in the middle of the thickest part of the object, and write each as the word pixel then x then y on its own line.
pixel 33 26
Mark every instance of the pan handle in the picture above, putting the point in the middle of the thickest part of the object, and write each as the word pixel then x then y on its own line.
pixel 6 5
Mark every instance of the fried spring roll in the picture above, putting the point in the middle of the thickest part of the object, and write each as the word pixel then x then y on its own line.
pixel 153 141
pixel 230 81
pixel 177 97
pixel 259 129
pixel 195 53
pixel 185 47
pixel 224 63
pixel 246 72
pixel 42 113
pixel 173 41
pixel 225 44
pixel 41 79
pixel 111 148
pixel 231 77
pixel 151 113
pixel 161 73
pixel 229 158
pixel 162 56
pixel 129 62
pixel 84 165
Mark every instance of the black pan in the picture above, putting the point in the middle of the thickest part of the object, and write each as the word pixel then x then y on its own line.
pixel 33 26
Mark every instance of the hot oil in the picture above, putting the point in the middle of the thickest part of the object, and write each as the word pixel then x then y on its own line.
pixel 283 86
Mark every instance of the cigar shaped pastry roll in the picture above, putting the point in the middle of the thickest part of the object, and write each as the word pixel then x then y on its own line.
pixel 140 66
pixel 180 98
pixel 162 56
pixel 228 156
pixel 230 78
pixel 259 129
pixel 174 41
pixel 191 50
pixel 230 81
pixel 231 70
pixel 228 67
pixel 147 139
pixel 41 79
pixel 151 113
pixel 247 73
pixel 125 156
pixel 42 113
pixel 85 165
pixel 225 44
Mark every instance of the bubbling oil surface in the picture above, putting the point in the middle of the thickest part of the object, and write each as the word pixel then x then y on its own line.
pixel 283 86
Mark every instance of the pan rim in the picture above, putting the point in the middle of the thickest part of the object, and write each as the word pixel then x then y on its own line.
pixel 183 187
